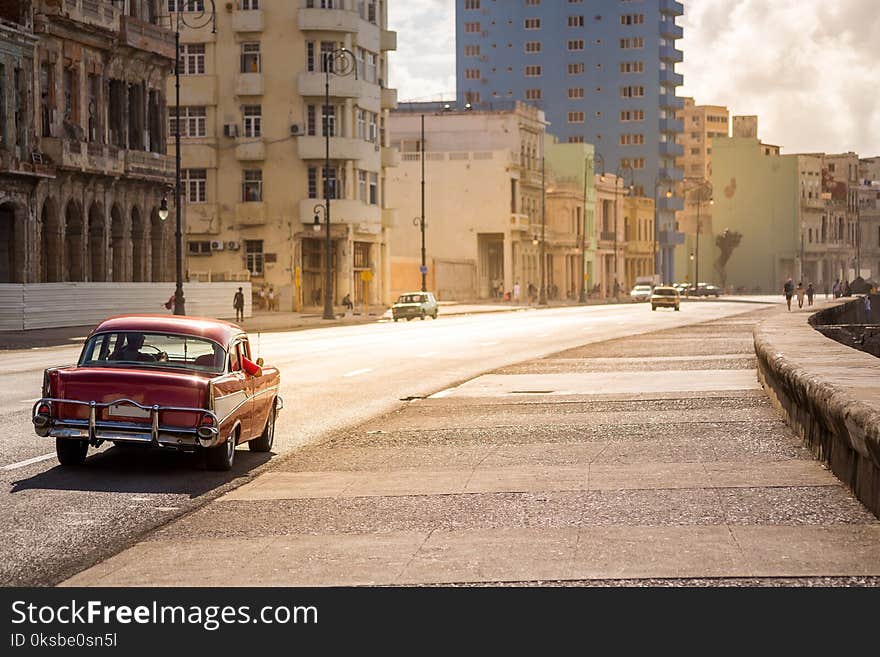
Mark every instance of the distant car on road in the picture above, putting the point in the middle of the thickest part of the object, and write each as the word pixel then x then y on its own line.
pixel 705 290
pixel 641 292
pixel 681 287
pixel 665 297
pixel 183 383
pixel 415 304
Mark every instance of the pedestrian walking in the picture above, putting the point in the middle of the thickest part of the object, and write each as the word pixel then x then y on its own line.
pixel 532 291
pixel 238 304
pixel 346 303
pixel 516 292
pixel 616 290
pixel 800 291
pixel 788 290
pixel 810 293
pixel 270 298
pixel 867 309
pixel 835 289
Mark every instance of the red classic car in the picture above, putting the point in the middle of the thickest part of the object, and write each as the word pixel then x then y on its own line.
pixel 185 383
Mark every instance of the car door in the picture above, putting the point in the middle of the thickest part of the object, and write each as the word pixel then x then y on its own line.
pixel 231 400
pixel 250 386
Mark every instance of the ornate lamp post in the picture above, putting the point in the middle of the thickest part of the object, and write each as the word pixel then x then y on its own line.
pixel 542 293
pixel 194 14
pixel 702 187
pixel 589 168
pixel 341 62
pixel 620 177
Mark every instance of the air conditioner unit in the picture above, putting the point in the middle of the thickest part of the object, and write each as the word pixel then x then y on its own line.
pixel 296 129
pixel 233 246
pixel 216 245
pixel 230 130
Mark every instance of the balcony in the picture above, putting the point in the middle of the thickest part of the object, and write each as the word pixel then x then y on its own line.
pixel 669 30
pixel 151 166
pixel 519 223
pixel 671 102
pixel 670 238
pixel 671 149
pixel 249 84
pixel 250 214
pixel 670 54
pixel 249 149
pixel 671 174
pixel 250 20
pixel 341 148
pixel 137 34
pixel 389 98
pixel 311 84
pixel 91 12
pixel 92 158
pixel 670 78
pixel 390 157
pixel 671 8
pixel 387 40
pixel 672 204
pixel 671 125
pixel 342 211
pixel 328 20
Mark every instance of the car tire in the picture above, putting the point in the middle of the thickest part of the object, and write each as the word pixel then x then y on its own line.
pixel 71 452
pixel 422 316
pixel 409 319
pixel 653 307
pixel 222 456
pixel 677 308
pixel 267 438
pixel 434 316
pixel 395 319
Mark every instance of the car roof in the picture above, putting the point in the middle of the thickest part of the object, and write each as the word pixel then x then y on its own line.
pixel 202 327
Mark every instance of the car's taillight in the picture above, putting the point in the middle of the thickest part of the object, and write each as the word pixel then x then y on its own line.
pixel 207 420
pixel 44 409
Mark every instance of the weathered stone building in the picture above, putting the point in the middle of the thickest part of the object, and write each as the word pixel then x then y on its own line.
pixel 83 162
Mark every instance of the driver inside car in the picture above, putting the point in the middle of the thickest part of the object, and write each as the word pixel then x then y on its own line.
pixel 132 349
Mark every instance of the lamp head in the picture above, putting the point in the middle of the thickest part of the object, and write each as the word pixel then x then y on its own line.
pixel 317 224
pixel 163 209
pixel 535 240
pixel 468 107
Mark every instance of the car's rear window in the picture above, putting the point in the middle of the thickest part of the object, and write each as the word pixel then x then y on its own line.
pixel 411 298
pixel 665 291
pixel 139 349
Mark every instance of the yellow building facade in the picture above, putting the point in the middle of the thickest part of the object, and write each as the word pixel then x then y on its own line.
pixel 253 125
pixel 638 221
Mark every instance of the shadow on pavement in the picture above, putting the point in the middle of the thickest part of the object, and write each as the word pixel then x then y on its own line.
pixel 142 470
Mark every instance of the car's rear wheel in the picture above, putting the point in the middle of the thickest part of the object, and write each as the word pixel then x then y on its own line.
pixel 422 316
pixel 653 307
pixel 222 456
pixel 71 452
pixel 267 438
pixel 434 316
pixel 677 308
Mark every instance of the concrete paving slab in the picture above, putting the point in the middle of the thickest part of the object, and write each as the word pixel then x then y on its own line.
pixel 647 476
pixel 779 473
pixel 293 485
pixel 493 385
pixel 527 479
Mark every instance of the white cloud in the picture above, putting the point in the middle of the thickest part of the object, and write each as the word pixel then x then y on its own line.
pixel 807 68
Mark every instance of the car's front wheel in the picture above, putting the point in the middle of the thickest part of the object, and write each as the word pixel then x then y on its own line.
pixel 677 308
pixel 267 438
pixel 222 456
pixel 653 307
pixel 71 452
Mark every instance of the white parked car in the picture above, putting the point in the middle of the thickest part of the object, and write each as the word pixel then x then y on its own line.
pixel 641 292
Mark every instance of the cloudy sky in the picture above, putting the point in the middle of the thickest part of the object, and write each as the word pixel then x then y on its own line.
pixel 808 68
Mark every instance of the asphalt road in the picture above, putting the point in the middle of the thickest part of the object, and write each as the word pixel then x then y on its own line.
pixel 58 521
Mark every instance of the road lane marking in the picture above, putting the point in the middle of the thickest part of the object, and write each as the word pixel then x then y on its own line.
pixel 358 372
pixel 443 393
pixel 22 464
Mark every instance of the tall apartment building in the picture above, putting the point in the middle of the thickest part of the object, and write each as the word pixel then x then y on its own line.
pixel 253 120
pixel 702 123
pixel 489 202
pixel 604 73
pixel 83 163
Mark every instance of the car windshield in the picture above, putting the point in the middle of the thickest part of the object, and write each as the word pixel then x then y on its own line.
pixel 665 292
pixel 411 298
pixel 642 288
pixel 166 350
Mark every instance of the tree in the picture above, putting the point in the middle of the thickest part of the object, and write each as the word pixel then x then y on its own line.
pixel 727 243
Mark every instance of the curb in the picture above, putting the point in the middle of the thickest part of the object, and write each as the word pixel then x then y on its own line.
pixel 836 418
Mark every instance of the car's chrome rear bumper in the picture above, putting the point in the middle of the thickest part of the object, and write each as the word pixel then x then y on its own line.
pixel 155 433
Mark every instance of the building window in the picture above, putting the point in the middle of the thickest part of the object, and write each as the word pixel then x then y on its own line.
pixel 472 51
pixel 253 255
pixel 195 185
pixel 472 74
pixel 575 44
pixel 575 117
pixel 632 67
pixel 193 122
pixel 472 27
pixel 533 71
pixel 471 4
pixel 576 139
pixel 253 120
pixel 632 92
pixel 632 19
pixel 533 46
pixel 576 69
pixel 633 43
pixel 533 24
pixel 250 5
pixel 374 189
pixel 313 182
pixel 186 5
pixel 575 92
pixel 250 57
pixel 197 248
pixel 533 94
pixel 252 188
pixel 362 186
pixel 192 59
pixel 575 21
pixel 632 115
pixel 328 120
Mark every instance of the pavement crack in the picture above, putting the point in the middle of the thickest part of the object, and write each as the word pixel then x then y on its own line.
pixel 414 555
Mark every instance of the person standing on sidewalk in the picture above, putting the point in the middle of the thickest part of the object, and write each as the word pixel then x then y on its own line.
pixel 800 291
pixel 788 290
pixel 516 292
pixel 238 304
pixel 810 293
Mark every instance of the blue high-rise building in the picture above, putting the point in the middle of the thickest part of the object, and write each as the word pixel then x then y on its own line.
pixel 604 73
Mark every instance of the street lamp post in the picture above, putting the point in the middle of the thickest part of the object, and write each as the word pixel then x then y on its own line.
pixel 341 62
pixel 582 295
pixel 620 173
pixel 195 15
pixel 542 294
pixel 703 187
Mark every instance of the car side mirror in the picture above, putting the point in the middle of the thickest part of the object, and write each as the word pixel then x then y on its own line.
pixel 260 362
pixel 250 367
